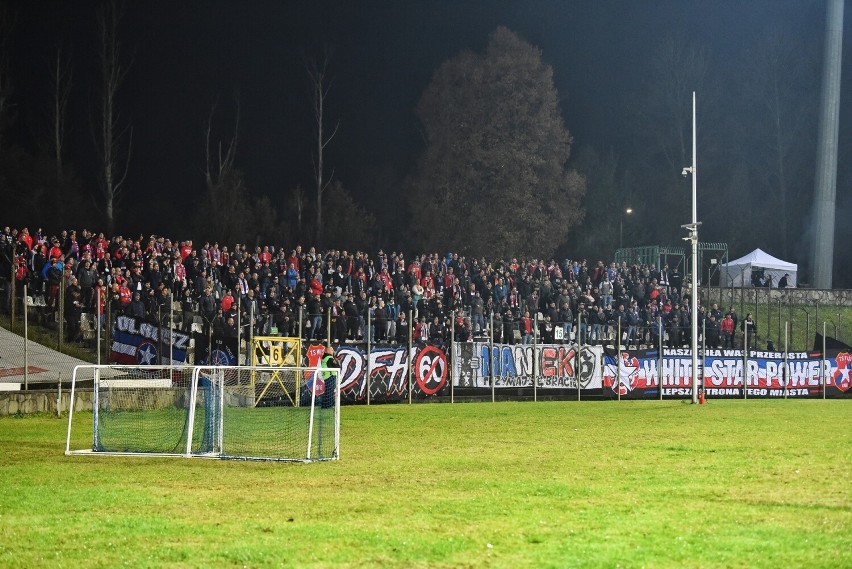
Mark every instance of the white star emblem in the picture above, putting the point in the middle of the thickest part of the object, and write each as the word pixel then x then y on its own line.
pixel 147 354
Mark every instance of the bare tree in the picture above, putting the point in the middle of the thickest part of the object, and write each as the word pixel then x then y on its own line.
pixel 61 73
pixel 299 200
pixel 226 215
pixel 663 130
pixel 678 69
pixel 219 167
pixel 115 139
pixel 320 85
pixel 779 80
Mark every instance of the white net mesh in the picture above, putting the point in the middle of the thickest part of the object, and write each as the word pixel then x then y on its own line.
pixel 263 413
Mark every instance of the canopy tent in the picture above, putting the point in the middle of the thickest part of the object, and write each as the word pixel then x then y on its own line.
pixel 742 271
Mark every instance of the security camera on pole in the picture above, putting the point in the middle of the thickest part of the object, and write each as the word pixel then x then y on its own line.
pixel 693 237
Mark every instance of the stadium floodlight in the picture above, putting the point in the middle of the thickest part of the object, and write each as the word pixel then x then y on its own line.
pixel 248 413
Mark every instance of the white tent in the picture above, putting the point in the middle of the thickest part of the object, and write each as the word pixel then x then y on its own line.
pixel 739 272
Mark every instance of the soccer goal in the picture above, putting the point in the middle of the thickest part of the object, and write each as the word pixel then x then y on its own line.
pixel 246 413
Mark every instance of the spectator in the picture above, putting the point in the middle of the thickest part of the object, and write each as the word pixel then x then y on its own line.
pixel 749 330
pixel 545 331
pixel 350 314
pixel 437 332
pixel 314 323
pixel 565 319
pixel 338 316
pixel 73 312
pixel 726 327
pixel 711 328
pixel 136 308
pixel 402 329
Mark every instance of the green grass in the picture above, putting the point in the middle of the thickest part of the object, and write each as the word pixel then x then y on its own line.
pixel 274 432
pixel 558 484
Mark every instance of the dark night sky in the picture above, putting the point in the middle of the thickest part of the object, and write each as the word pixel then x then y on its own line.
pixel 186 54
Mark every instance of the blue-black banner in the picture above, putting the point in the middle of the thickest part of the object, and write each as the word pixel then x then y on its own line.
pixel 136 342
pixel 215 350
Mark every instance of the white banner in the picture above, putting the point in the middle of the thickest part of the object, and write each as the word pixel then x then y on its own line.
pixel 556 365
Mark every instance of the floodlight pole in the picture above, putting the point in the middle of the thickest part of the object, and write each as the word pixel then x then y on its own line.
pixel 693 237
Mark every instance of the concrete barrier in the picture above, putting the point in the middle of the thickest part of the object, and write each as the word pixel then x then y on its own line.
pixel 25 402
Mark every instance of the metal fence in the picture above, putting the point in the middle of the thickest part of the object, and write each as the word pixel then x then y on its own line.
pixel 42 325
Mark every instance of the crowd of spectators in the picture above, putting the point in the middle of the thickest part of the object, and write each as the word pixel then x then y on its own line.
pixel 269 290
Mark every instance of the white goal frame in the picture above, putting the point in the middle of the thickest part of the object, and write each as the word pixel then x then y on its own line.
pixel 304 394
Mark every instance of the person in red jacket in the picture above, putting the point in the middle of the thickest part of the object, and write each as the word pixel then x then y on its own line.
pixel 185 250
pixel 26 238
pixel 727 330
pixel 227 302
pixel 315 286
pixel 125 296
pixel 55 251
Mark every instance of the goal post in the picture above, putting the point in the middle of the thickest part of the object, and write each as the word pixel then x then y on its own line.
pixel 135 409
pixel 207 411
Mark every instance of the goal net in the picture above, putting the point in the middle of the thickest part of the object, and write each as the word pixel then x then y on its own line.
pixel 250 413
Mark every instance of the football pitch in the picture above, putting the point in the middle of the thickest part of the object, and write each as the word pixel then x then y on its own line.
pixel 548 484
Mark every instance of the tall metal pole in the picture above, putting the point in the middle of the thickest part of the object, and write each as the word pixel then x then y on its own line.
pixel 660 355
pixel 745 362
pixel 60 310
pixel 704 355
pixel 26 347
pixel 250 351
pixel 369 346
pixel 12 286
pixel 171 328
pixel 822 363
pixel 299 356
pixel 98 293
pixel 491 354
pixel 693 236
pixel 328 326
pixel 410 358
pixel 786 370
pixel 825 191
pixel 160 356
pixel 618 362
pixel 779 321
pixel 535 356
pixel 579 350
pixel 239 331
pixel 108 329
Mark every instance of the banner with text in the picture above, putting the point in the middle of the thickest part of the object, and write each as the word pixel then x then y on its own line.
pixel 514 365
pixel 389 371
pixel 136 342
pixel 641 374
